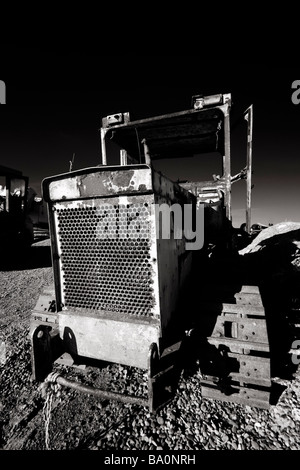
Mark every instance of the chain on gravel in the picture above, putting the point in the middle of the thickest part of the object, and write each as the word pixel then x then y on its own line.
pixel 50 390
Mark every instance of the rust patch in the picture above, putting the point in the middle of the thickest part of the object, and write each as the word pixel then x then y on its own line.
pixel 91 184
pixel 95 184
pixel 123 178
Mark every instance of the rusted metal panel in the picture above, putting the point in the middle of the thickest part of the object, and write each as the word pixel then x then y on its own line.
pixel 241 328
pixel 174 261
pixel 108 340
pixel 99 183
pixel 172 192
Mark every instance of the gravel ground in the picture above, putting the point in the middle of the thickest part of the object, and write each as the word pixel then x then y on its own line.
pixel 83 422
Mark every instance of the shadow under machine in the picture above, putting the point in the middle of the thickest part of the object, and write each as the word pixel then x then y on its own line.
pixel 123 293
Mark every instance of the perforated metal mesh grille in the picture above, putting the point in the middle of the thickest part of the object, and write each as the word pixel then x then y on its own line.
pixel 105 256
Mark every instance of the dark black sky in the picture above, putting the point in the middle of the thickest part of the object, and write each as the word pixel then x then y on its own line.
pixel 55 103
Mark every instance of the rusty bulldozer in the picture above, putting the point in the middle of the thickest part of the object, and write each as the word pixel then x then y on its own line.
pixel 125 294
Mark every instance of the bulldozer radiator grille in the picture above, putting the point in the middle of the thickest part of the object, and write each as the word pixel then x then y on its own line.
pixel 102 270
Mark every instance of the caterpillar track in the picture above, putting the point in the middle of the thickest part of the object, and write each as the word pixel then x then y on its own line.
pixel 244 328
pixel 234 352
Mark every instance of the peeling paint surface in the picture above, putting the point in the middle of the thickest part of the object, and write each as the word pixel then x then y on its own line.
pixel 102 183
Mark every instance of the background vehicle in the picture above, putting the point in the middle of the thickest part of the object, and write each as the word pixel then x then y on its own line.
pixel 15 226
